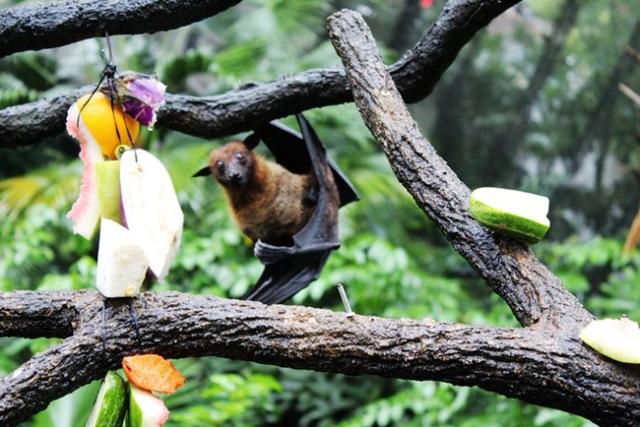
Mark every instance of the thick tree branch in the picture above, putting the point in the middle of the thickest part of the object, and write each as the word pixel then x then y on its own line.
pixel 58 24
pixel 32 315
pixel 547 367
pixel 532 291
pixel 239 110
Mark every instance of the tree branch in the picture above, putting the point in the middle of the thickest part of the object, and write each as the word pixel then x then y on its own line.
pixel 547 366
pixel 528 287
pixel 34 315
pixel 240 110
pixel 58 24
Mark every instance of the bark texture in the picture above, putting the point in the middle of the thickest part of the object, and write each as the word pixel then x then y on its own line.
pixel 41 26
pixel 416 73
pixel 547 366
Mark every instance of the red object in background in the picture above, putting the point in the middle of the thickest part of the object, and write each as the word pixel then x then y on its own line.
pixel 426 4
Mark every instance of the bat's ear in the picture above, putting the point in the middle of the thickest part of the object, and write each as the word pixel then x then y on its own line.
pixel 252 141
pixel 205 171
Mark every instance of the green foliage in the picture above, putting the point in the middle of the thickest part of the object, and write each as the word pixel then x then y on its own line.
pixel 230 400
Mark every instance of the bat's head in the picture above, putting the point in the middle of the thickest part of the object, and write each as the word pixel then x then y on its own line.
pixel 233 164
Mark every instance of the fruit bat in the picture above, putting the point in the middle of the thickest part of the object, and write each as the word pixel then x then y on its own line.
pixel 294 264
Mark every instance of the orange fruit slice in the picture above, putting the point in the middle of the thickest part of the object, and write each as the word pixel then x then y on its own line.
pixel 152 372
pixel 101 122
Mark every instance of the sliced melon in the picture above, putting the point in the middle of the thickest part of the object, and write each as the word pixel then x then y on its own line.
pixel 85 212
pixel 111 403
pixel 145 409
pixel 122 261
pixel 150 208
pixel 514 213
pixel 618 339
pixel 108 188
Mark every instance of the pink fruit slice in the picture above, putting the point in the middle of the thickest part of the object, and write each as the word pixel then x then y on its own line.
pixel 145 409
pixel 85 212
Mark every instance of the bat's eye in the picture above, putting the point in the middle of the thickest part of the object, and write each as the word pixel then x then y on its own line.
pixel 220 166
pixel 240 157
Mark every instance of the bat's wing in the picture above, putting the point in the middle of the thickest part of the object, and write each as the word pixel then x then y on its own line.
pixel 289 149
pixel 288 269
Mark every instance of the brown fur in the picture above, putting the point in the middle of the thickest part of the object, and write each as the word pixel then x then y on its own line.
pixel 270 203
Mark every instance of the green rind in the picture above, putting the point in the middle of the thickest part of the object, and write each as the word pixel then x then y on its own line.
pixel 112 408
pixel 108 188
pixel 134 418
pixel 515 226
pixel 145 409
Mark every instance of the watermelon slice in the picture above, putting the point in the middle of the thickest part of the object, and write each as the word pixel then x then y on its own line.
pixel 122 262
pixel 618 339
pixel 85 212
pixel 151 210
pixel 145 409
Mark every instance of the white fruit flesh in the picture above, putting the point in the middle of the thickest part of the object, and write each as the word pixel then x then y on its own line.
pixel 145 409
pixel 526 205
pixel 618 339
pixel 150 208
pixel 122 261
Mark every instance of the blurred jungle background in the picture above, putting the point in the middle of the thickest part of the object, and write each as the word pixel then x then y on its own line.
pixel 544 100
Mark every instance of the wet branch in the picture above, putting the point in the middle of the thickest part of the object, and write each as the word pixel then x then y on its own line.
pixel 41 26
pixel 239 110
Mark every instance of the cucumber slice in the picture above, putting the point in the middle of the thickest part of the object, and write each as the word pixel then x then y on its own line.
pixel 618 339
pixel 122 261
pixel 108 187
pixel 514 213
pixel 145 409
pixel 110 407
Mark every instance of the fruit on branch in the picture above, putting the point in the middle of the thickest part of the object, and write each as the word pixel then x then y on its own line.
pixel 111 404
pixel 150 208
pixel 145 409
pixel 618 339
pixel 122 261
pixel 95 129
pixel 515 213
pixel 151 372
pixel 107 124
pixel 108 188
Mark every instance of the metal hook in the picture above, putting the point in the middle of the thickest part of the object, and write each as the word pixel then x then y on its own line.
pixel 345 300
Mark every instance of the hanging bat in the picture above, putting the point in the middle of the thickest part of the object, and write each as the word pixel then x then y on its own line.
pixel 288 207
